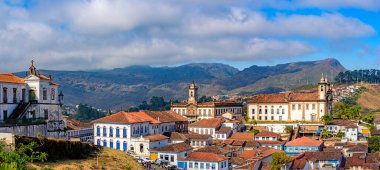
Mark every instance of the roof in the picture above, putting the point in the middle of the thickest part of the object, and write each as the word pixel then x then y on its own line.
pixel 210 104
pixel 166 116
pixel 76 124
pixel 272 142
pixel 211 123
pixel 345 123
pixel 267 134
pixel 215 149
pixel 304 141
pixel 285 97
pixel 127 117
pixel 299 163
pixel 224 129
pixel 242 136
pixel 358 148
pixel 11 78
pixel 322 156
pixel 357 159
pixel 259 153
pixel 177 147
pixel 205 156
pixel 156 137
pixel 237 161
pixel 251 144
pixel 185 136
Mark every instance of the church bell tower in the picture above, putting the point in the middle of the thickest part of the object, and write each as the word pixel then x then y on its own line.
pixel 193 94
pixel 323 87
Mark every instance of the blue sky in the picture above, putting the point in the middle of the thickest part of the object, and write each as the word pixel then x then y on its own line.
pixel 95 34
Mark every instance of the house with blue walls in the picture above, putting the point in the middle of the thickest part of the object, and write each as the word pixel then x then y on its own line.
pixel 303 144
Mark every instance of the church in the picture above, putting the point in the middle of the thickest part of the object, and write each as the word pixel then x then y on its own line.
pixel 195 110
pixel 30 105
pixel 308 106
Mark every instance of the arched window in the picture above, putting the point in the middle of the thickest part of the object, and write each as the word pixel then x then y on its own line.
pixel 111 131
pixel 97 131
pixel 104 131
pixel 117 145
pixel 98 142
pixel 104 142
pixel 5 95
pixel 141 148
pixel 125 146
pixel 124 132
pixel 117 132
pixel 111 143
pixel 52 94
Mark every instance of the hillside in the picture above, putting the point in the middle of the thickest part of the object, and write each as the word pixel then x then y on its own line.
pixel 370 98
pixel 131 85
pixel 107 160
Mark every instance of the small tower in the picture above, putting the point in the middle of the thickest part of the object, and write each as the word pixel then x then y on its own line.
pixel 32 69
pixel 193 94
pixel 323 87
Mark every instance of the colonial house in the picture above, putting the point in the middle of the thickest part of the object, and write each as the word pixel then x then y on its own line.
pixel 223 133
pixel 207 126
pixel 243 136
pixel 292 106
pixel 362 161
pixel 348 127
pixel 263 154
pixel 79 130
pixel 204 110
pixel 303 144
pixel 171 153
pixel 270 139
pixel 203 160
pixel 318 160
pixel 131 130
pixel 30 105
pixel 195 140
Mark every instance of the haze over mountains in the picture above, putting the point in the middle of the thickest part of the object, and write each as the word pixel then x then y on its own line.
pixel 130 85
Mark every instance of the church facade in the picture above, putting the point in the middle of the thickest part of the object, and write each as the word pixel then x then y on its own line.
pixel 307 106
pixel 195 110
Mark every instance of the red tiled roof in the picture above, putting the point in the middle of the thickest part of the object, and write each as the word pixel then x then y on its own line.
pixel 259 153
pixel 224 129
pixel 304 141
pixel 285 97
pixel 267 134
pixel 76 124
pixel 205 156
pixel 212 123
pixel 273 142
pixel 177 147
pixel 128 117
pixel 156 137
pixel 11 78
pixel 166 116
pixel 243 136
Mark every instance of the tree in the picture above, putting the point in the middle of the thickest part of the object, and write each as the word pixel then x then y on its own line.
pixel 353 112
pixel 255 131
pixel 326 119
pixel 374 144
pixel 87 113
pixel 368 118
pixel 279 159
pixel 325 134
pixel 339 109
pixel 205 99
pixel 289 129
pixel 340 134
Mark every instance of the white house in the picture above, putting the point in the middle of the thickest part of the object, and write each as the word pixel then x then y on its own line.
pixel 206 126
pixel 348 127
pixel 203 160
pixel 33 99
pixel 195 140
pixel 270 139
pixel 292 106
pixel 171 153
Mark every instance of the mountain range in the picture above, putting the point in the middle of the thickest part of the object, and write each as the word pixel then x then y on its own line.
pixel 130 85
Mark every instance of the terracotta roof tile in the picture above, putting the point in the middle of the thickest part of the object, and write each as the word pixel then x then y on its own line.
pixel 128 117
pixel 166 116
pixel 212 123
pixel 285 97
pixel 11 78
pixel 322 156
pixel 177 147
pixel 215 149
pixel 273 142
pixel 267 134
pixel 205 156
pixel 243 136
pixel 304 141
pixel 76 124
pixel 258 153
pixel 224 129
pixel 156 137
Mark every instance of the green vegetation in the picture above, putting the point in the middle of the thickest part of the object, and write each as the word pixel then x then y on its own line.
pixel 289 129
pixel 340 134
pixel 279 159
pixel 325 134
pixel 374 144
pixel 87 113
pixel 255 131
pixel 205 99
pixel 326 119
pixel 16 159
pixel 355 76
pixel 155 104
pixel 345 111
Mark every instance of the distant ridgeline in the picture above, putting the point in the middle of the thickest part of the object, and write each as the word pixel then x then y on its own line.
pixel 349 77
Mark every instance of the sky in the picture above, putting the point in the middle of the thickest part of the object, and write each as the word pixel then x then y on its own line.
pixel 97 34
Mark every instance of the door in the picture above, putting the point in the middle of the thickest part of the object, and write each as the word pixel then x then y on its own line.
pixel 125 146
pixel 313 118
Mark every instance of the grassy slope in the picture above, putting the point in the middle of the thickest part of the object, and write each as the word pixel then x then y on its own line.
pixel 370 98
pixel 108 159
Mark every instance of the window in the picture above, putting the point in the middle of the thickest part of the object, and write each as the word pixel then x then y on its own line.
pixel 104 131
pixel 272 117
pixel 253 111
pixel 266 111
pixel 124 132
pixel 307 106
pixel 141 148
pixel 111 131
pixel 105 142
pixel 5 95
pixel 207 165
pixel 162 157
pixel 266 118
pixel 202 166
pixel 260 111
pixel 44 94
pixel 97 131
pixel 14 95
pixel 196 165
pixel 5 114
pixel 52 94
pixel 293 107
pixel 23 93
pixel 272 111
pixel 283 111
pixel 213 166
pixel 117 145
pixel 171 158
pixel 46 113
pixel 117 132
pixel 190 164
pixel 313 106
pixel 280 118
pixel 98 142
pixel 259 117
pixel 124 146
pixel 111 143
pixel 278 111
pixel 299 107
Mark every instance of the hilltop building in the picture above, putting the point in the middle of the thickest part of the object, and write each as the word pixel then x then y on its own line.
pixel 30 105
pixel 195 110
pixel 293 106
